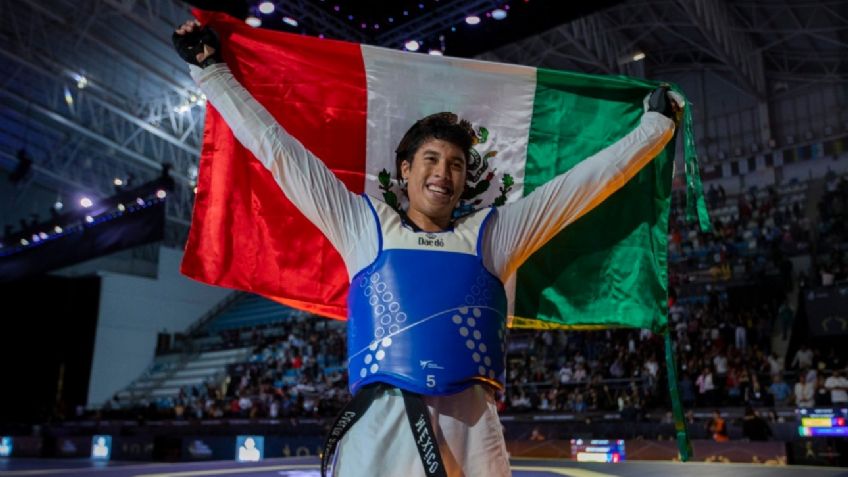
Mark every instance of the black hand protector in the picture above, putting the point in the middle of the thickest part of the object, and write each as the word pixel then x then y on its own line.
pixel 661 103
pixel 190 44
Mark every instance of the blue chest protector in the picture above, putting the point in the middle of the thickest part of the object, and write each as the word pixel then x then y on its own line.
pixel 426 316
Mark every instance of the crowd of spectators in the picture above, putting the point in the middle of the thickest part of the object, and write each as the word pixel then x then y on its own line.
pixel 720 361
pixel 296 369
pixel 754 234
pixel 299 373
pixel 830 263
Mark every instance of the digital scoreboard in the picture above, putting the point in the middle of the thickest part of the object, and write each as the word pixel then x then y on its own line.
pixel 823 422
pixel 597 450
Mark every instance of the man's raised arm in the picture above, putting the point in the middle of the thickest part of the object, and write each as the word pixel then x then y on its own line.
pixel 520 228
pixel 340 214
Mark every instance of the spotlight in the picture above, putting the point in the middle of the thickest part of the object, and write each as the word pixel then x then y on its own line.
pixel 411 45
pixel 86 202
pixel 24 242
pixel 139 201
pixel 638 56
pixel 36 238
pixel 118 182
pixel 58 205
pixel 266 7
pixel 253 21
pixel 89 219
pixel 290 21
pixel 42 235
pixel 69 98
pixel 57 229
pixel 435 52
pixel 121 207
pixel 499 14
pixel 161 194
pixel 82 82
pixel 472 19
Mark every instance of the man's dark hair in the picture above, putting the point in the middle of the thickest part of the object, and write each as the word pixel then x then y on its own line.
pixel 445 126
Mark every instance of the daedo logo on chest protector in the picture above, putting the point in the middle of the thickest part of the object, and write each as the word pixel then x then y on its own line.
pixel 431 240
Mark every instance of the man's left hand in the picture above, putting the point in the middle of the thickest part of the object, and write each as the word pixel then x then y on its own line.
pixel 666 102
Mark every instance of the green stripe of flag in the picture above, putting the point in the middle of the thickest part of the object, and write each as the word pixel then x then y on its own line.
pixel 609 268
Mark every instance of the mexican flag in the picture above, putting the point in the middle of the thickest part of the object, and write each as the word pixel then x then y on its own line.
pixel 350 104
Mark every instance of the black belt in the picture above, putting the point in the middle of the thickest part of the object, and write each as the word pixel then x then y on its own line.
pixel 419 422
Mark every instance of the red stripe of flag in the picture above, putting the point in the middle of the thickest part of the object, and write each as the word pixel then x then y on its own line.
pixel 245 233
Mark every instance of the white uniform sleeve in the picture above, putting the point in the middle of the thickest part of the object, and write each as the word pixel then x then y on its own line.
pixel 342 216
pixel 520 228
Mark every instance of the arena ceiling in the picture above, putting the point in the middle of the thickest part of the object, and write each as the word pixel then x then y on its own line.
pixel 92 90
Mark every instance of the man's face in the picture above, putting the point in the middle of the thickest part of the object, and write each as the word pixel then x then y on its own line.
pixel 435 180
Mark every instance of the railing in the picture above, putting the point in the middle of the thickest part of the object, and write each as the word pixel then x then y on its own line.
pixel 221 307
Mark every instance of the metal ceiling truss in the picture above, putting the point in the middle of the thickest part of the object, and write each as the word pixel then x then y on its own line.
pixel 764 49
pixel 728 42
pixel 798 41
pixel 134 113
pixel 591 44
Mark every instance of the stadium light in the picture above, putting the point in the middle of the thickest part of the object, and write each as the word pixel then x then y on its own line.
pixel 411 45
pixel 266 7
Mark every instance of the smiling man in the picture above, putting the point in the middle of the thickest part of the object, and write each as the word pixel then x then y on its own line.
pixel 431 160
pixel 427 305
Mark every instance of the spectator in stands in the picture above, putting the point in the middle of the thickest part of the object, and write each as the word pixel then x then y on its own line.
pixel 754 427
pixel 822 394
pixel 834 360
pixel 718 427
pixel 721 368
pixel 838 387
pixel 712 197
pixel 775 363
pixel 804 392
pixel 687 390
pixel 803 358
pixel 706 388
pixel 755 396
pixel 741 336
pixel 536 435
pixel 779 391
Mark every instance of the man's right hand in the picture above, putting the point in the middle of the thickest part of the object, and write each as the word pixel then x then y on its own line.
pixel 197 44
